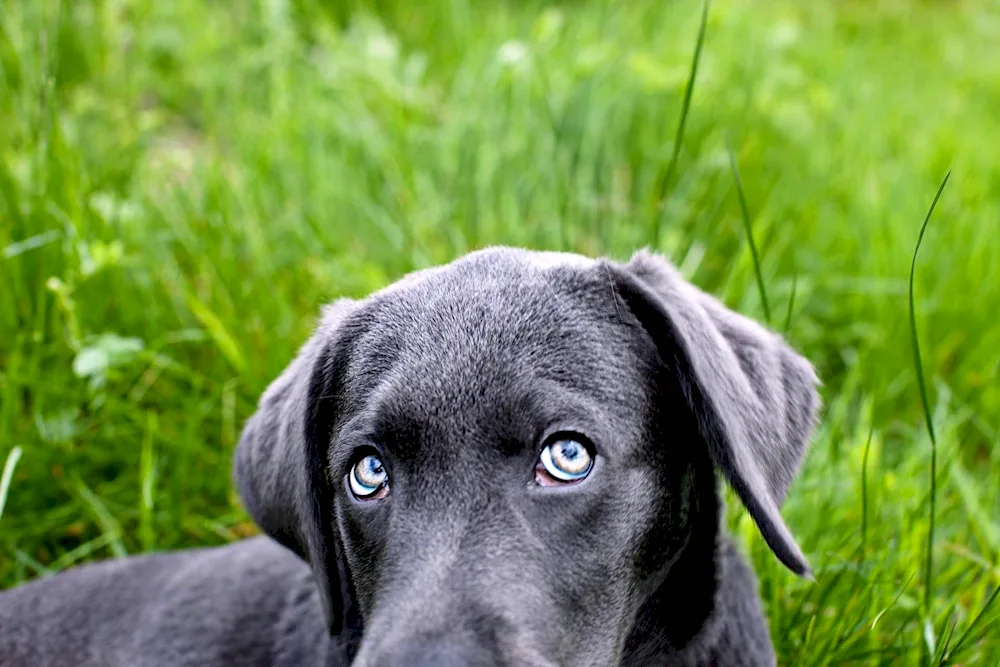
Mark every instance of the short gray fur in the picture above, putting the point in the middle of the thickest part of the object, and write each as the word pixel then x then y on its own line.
pixel 454 374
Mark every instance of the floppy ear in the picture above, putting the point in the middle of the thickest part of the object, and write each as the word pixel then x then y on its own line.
pixel 280 466
pixel 754 397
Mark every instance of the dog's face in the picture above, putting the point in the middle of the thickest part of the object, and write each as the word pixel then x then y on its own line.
pixel 493 475
pixel 498 461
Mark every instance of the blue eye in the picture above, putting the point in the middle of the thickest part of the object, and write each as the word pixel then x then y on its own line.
pixel 368 478
pixel 566 460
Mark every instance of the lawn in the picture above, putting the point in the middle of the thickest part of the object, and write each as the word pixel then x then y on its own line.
pixel 184 183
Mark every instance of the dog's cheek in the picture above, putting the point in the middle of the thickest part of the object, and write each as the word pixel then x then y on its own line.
pixel 606 602
pixel 596 586
pixel 362 535
pixel 653 523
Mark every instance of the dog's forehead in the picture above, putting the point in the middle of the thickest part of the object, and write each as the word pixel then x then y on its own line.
pixel 499 317
pixel 498 296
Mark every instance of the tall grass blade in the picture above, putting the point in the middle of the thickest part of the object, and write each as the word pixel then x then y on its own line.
pixel 987 528
pixel 147 477
pixel 666 177
pixel 972 626
pixel 105 519
pixel 225 341
pixel 748 227
pixel 864 493
pixel 918 364
pixel 8 474
pixel 791 304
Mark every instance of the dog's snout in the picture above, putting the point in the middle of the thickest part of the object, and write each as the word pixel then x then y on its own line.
pixel 441 654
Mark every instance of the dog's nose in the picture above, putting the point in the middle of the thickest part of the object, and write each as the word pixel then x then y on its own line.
pixel 442 655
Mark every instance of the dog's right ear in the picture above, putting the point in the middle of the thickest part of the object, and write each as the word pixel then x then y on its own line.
pixel 280 466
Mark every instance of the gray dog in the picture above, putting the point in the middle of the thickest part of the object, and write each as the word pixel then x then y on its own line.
pixel 507 460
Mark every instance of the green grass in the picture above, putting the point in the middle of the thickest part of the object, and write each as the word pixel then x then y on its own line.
pixel 183 183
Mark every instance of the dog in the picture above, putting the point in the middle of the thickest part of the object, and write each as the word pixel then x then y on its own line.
pixel 511 459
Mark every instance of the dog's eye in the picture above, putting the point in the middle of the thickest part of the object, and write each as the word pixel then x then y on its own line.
pixel 368 479
pixel 563 461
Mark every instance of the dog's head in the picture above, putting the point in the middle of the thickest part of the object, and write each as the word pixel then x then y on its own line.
pixel 504 460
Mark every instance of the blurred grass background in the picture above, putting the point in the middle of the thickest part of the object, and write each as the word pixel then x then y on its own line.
pixel 183 183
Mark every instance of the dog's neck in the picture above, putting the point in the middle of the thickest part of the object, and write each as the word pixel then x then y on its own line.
pixel 688 617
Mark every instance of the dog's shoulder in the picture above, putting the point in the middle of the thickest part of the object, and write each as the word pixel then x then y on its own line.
pixel 737 632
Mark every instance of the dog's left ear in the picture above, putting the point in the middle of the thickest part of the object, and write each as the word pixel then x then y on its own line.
pixel 280 466
pixel 754 397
